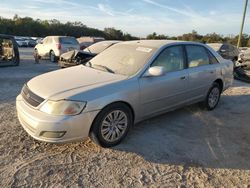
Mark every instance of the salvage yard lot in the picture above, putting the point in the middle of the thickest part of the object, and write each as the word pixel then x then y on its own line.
pixel 188 147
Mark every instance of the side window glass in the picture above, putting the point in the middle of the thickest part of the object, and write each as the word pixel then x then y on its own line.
pixel 172 59
pixel 197 56
pixel 6 50
pixel 212 58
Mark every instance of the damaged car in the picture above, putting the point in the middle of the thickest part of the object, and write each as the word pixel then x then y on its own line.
pixel 76 57
pixel 125 84
pixel 227 51
pixel 9 54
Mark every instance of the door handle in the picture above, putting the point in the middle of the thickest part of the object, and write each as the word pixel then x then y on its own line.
pixel 212 72
pixel 183 78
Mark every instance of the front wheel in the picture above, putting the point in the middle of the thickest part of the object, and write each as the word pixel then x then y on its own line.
pixel 111 125
pixel 213 97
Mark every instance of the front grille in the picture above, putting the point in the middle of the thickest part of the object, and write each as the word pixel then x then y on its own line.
pixel 30 97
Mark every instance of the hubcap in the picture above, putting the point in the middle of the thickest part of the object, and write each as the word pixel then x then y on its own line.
pixel 114 125
pixel 213 97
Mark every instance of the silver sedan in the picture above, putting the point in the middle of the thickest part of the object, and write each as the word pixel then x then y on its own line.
pixel 125 84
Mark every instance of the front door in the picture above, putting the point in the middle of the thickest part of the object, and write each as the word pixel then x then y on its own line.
pixel 158 94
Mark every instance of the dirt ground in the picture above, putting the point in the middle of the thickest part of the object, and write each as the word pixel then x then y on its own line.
pixel 185 148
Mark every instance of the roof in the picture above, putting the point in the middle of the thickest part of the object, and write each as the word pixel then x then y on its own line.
pixel 6 36
pixel 153 43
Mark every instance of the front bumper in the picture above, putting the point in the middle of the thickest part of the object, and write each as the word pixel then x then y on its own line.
pixel 36 123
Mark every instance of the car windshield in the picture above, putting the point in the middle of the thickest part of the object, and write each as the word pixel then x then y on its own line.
pixel 98 47
pixel 68 40
pixel 216 47
pixel 122 59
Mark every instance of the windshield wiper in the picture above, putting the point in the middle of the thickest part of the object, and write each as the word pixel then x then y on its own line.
pixel 103 67
pixel 89 64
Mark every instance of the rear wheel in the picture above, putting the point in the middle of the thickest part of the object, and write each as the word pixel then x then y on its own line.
pixel 213 97
pixel 52 56
pixel 111 125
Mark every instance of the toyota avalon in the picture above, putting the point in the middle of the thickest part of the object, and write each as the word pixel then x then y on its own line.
pixel 127 83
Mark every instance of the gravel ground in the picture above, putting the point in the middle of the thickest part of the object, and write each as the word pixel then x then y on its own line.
pixel 185 148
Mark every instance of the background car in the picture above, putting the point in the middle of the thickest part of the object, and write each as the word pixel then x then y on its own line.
pixel 227 51
pixel 9 54
pixel 21 43
pixel 54 46
pixel 74 58
pixel 125 84
pixel 88 41
pixel 244 58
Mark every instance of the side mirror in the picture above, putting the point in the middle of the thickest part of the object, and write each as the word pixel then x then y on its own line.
pixel 155 71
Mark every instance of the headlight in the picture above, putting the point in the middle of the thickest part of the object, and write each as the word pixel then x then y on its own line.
pixel 63 107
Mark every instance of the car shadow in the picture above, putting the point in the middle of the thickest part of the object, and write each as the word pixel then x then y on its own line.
pixel 195 137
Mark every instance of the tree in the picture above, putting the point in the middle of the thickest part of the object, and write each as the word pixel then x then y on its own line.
pixel 212 38
pixel 248 43
pixel 154 35
pixel 113 33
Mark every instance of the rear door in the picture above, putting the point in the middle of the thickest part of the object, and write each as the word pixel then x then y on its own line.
pixel 201 71
pixel 168 91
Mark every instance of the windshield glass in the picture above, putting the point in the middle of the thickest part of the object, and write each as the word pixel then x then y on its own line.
pixel 98 47
pixel 68 40
pixel 122 59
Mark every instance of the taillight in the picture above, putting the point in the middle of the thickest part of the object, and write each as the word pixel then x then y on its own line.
pixel 58 46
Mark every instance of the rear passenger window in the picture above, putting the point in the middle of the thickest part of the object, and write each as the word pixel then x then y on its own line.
pixel 172 59
pixel 197 56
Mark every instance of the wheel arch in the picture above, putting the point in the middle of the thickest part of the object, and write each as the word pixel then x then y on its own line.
pixel 220 82
pixel 116 102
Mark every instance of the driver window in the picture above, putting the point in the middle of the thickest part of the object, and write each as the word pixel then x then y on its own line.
pixel 172 59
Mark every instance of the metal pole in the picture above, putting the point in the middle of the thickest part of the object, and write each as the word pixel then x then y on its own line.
pixel 242 24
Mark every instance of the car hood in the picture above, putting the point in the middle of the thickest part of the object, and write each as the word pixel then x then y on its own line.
pixel 78 79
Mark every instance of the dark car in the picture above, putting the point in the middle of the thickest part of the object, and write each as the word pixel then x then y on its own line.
pixel 9 54
pixel 75 57
pixel 227 51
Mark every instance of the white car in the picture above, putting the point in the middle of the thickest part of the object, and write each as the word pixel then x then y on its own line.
pixel 54 46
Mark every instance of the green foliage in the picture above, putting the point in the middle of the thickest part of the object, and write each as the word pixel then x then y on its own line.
pixel 40 28
pixel 208 38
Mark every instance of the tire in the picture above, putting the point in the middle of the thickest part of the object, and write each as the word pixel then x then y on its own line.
pixel 52 56
pixel 17 62
pixel 104 133
pixel 36 54
pixel 213 97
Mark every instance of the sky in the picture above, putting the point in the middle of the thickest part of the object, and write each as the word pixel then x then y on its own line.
pixel 138 17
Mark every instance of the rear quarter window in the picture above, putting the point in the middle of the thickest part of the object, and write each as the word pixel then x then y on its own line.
pixel 212 58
